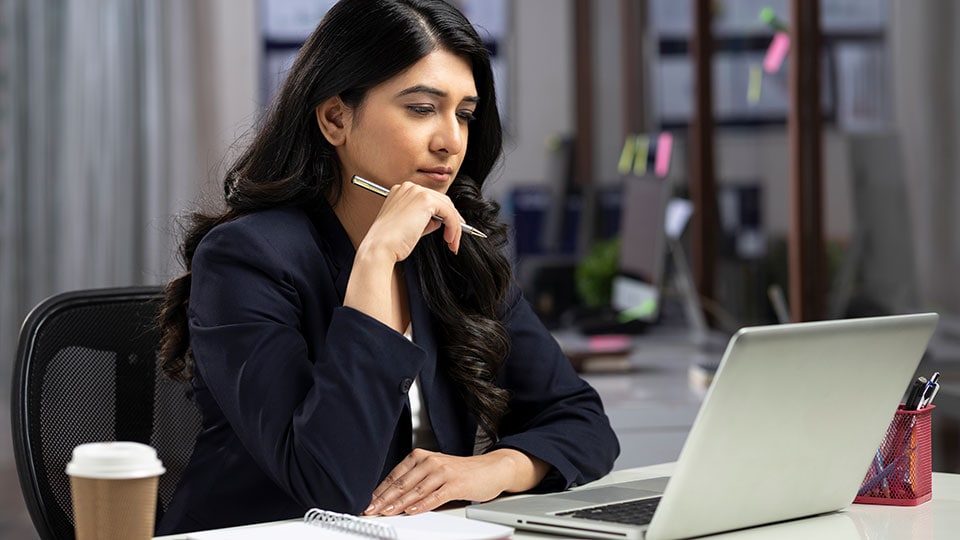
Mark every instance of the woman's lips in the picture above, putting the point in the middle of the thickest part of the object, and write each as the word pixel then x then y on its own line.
pixel 437 175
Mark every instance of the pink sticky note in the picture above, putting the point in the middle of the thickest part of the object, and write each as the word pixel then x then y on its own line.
pixel 777 51
pixel 664 148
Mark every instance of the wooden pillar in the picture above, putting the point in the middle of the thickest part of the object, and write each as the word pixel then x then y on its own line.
pixel 583 152
pixel 583 92
pixel 806 246
pixel 703 189
pixel 631 45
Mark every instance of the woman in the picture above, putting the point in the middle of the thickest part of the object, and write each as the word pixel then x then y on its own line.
pixel 347 351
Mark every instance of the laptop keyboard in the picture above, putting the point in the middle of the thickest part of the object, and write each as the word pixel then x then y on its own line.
pixel 630 512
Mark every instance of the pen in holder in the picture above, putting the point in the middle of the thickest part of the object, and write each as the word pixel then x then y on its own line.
pixel 901 472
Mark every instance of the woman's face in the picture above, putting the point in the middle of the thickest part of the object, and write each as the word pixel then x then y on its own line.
pixel 412 127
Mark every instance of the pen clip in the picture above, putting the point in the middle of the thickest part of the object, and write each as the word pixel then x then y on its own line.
pixel 927 399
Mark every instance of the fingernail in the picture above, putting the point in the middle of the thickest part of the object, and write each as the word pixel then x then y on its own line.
pixel 369 509
pixel 388 509
pixel 412 509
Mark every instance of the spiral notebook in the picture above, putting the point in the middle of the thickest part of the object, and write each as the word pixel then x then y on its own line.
pixel 325 525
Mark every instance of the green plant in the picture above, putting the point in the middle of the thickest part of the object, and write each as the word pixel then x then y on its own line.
pixel 595 272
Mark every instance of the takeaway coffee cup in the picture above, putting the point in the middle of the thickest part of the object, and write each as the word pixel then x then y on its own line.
pixel 114 489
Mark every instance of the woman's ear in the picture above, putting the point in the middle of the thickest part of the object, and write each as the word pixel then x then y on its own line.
pixel 332 117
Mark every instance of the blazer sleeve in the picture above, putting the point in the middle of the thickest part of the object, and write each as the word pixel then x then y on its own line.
pixel 317 414
pixel 554 415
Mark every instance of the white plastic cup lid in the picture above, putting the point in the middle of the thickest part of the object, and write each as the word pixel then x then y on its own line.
pixel 114 460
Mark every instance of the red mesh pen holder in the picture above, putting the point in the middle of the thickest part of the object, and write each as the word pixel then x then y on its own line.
pixel 901 472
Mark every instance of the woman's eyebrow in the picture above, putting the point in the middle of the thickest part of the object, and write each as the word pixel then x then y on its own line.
pixel 424 89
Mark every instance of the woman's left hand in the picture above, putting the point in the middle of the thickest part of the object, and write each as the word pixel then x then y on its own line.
pixel 425 480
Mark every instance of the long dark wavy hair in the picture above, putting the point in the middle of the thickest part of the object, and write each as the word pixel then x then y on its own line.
pixel 289 163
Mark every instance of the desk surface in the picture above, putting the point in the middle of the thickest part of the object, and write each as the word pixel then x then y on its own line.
pixel 937 519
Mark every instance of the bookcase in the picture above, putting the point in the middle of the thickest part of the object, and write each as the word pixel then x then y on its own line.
pixel 854 58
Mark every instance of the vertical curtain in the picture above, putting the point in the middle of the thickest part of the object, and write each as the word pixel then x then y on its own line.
pixel 925 84
pixel 8 198
pixel 97 146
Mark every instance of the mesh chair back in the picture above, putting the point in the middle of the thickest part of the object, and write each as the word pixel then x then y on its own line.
pixel 86 370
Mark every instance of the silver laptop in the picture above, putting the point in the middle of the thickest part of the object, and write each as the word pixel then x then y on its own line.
pixel 787 429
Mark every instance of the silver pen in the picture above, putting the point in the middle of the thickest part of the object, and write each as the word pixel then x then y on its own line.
pixel 383 192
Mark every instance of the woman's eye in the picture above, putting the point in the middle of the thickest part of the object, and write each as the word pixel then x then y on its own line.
pixel 420 109
pixel 466 116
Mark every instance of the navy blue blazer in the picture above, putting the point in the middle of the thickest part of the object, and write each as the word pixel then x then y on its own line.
pixel 304 401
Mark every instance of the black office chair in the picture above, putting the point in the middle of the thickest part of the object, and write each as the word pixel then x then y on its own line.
pixel 86 370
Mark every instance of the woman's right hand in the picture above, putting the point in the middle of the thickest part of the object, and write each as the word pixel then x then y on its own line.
pixel 406 216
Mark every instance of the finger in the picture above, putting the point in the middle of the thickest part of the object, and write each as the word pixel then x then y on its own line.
pixel 401 478
pixel 407 489
pixel 423 495
pixel 454 244
pixel 376 499
pixel 432 204
pixel 441 206
pixel 407 464
pixel 439 497
pixel 384 502
pixel 452 232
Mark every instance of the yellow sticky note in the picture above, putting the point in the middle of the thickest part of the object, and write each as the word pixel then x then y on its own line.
pixel 626 156
pixel 756 80
pixel 642 145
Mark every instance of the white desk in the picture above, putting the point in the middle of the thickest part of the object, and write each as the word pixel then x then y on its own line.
pixel 938 518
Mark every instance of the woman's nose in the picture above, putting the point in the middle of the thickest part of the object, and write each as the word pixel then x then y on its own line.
pixel 450 136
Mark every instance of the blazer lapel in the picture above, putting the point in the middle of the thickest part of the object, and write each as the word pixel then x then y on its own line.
pixel 452 425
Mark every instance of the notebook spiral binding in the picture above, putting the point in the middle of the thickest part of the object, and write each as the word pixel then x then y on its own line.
pixel 348 523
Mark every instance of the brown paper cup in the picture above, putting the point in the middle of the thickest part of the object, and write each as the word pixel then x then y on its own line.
pixel 114 509
pixel 114 490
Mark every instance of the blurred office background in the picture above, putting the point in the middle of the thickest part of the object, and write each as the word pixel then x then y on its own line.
pixel 117 116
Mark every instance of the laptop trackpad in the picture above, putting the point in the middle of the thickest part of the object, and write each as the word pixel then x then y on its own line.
pixel 658 484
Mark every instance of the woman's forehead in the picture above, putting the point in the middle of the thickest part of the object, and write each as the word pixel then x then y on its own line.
pixel 440 70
